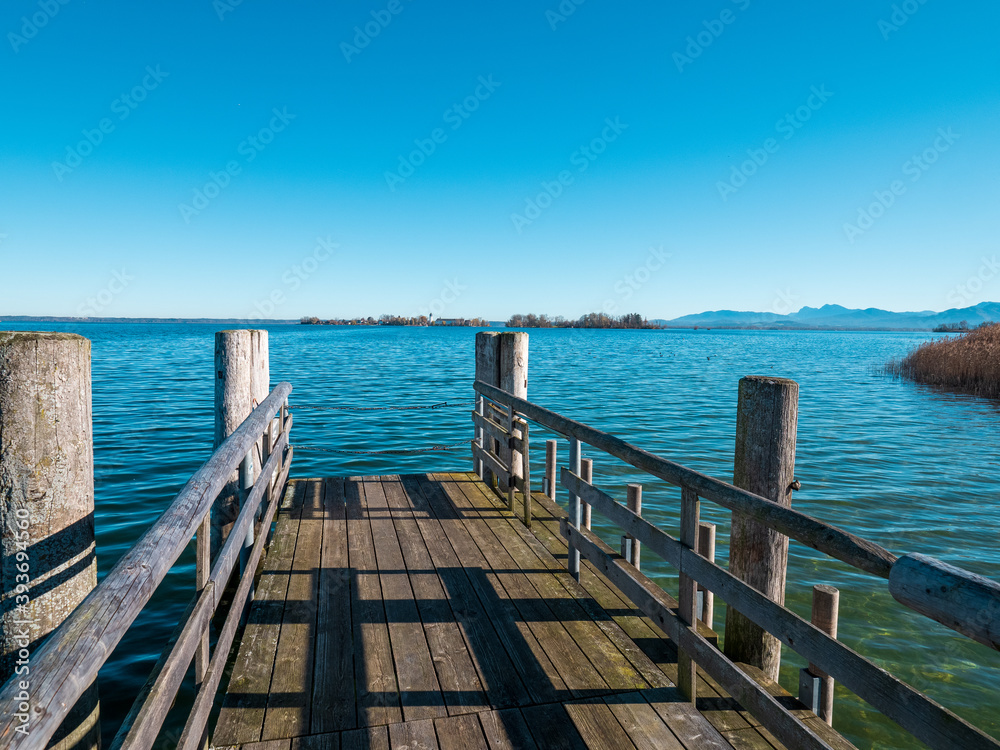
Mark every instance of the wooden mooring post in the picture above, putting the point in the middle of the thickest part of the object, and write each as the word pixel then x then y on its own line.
pixel 551 453
pixel 47 487
pixel 764 464
pixel 815 685
pixel 242 381
pixel 706 548
pixel 632 547
pixel 587 475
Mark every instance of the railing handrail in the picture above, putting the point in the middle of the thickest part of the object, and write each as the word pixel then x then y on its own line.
pixel 835 542
pixel 914 711
pixel 923 717
pixel 70 658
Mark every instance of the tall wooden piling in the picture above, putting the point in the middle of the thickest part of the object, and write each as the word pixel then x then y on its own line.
pixel 765 465
pixel 488 371
pixel 514 380
pixel 47 509
pixel 260 382
pixel 242 381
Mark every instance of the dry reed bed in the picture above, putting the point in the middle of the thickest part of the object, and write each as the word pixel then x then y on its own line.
pixel 970 362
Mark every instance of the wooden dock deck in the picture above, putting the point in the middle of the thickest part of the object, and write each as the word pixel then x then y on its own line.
pixel 415 612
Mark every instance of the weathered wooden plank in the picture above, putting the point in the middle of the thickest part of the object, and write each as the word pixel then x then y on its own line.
pixel 598 726
pixel 413 735
pixel 497 672
pixel 460 733
pixel 419 690
pixel 696 731
pixel 290 705
pixel 722 711
pixel 456 671
pixel 327 741
pixel 491 462
pixel 644 726
pixel 835 542
pixel 650 598
pixel 552 728
pixel 956 598
pixel 334 700
pixel 374 671
pixel 506 730
pixel 609 624
pixel 241 719
pixel 268 745
pixel 369 738
pixel 594 642
pixel 748 739
pixel 568 657
pixel 497 430
pixel 540 678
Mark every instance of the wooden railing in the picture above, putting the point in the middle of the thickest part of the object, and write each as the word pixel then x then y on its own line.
pixel 501 435
pixel 961 600
pixel 67 663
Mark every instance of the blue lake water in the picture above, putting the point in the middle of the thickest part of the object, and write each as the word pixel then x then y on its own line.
pixel 909 467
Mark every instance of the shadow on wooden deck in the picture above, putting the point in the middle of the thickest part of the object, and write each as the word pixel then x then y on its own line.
pixel 415 612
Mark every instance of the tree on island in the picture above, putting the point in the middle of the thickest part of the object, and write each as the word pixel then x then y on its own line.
pixel 398 320
pixel 590 320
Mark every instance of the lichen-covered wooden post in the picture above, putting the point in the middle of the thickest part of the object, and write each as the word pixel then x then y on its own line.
pixel 46 508
pixel 488 371
pixel 514 380
pixel 241 382
pixel 765 465
pixel 260 382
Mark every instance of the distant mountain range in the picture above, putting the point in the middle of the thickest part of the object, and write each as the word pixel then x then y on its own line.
pixel 839 318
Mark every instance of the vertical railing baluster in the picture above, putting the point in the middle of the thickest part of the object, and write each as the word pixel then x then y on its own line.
pixel 478 462
pixel 587 475
pixel 631 547
pixel 511 479
pixel 551 448
pixel 203 567
pixel 687 676
pixel 246 485
pixel 706 548
pixel 526 463
pixel 264 456
pixel 573 560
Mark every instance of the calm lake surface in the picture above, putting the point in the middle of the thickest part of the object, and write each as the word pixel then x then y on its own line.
pixel 911 468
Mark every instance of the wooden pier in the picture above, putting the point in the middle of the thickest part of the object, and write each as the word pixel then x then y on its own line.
pixel 467 610
pixel 417 612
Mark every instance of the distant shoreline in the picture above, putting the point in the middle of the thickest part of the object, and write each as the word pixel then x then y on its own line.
pixel 495 324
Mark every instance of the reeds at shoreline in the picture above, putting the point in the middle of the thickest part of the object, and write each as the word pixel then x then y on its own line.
pixel 969 363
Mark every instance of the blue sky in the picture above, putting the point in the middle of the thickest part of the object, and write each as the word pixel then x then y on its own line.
pixel 357 158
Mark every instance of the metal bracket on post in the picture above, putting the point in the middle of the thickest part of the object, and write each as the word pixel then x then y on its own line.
pixel 810 690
